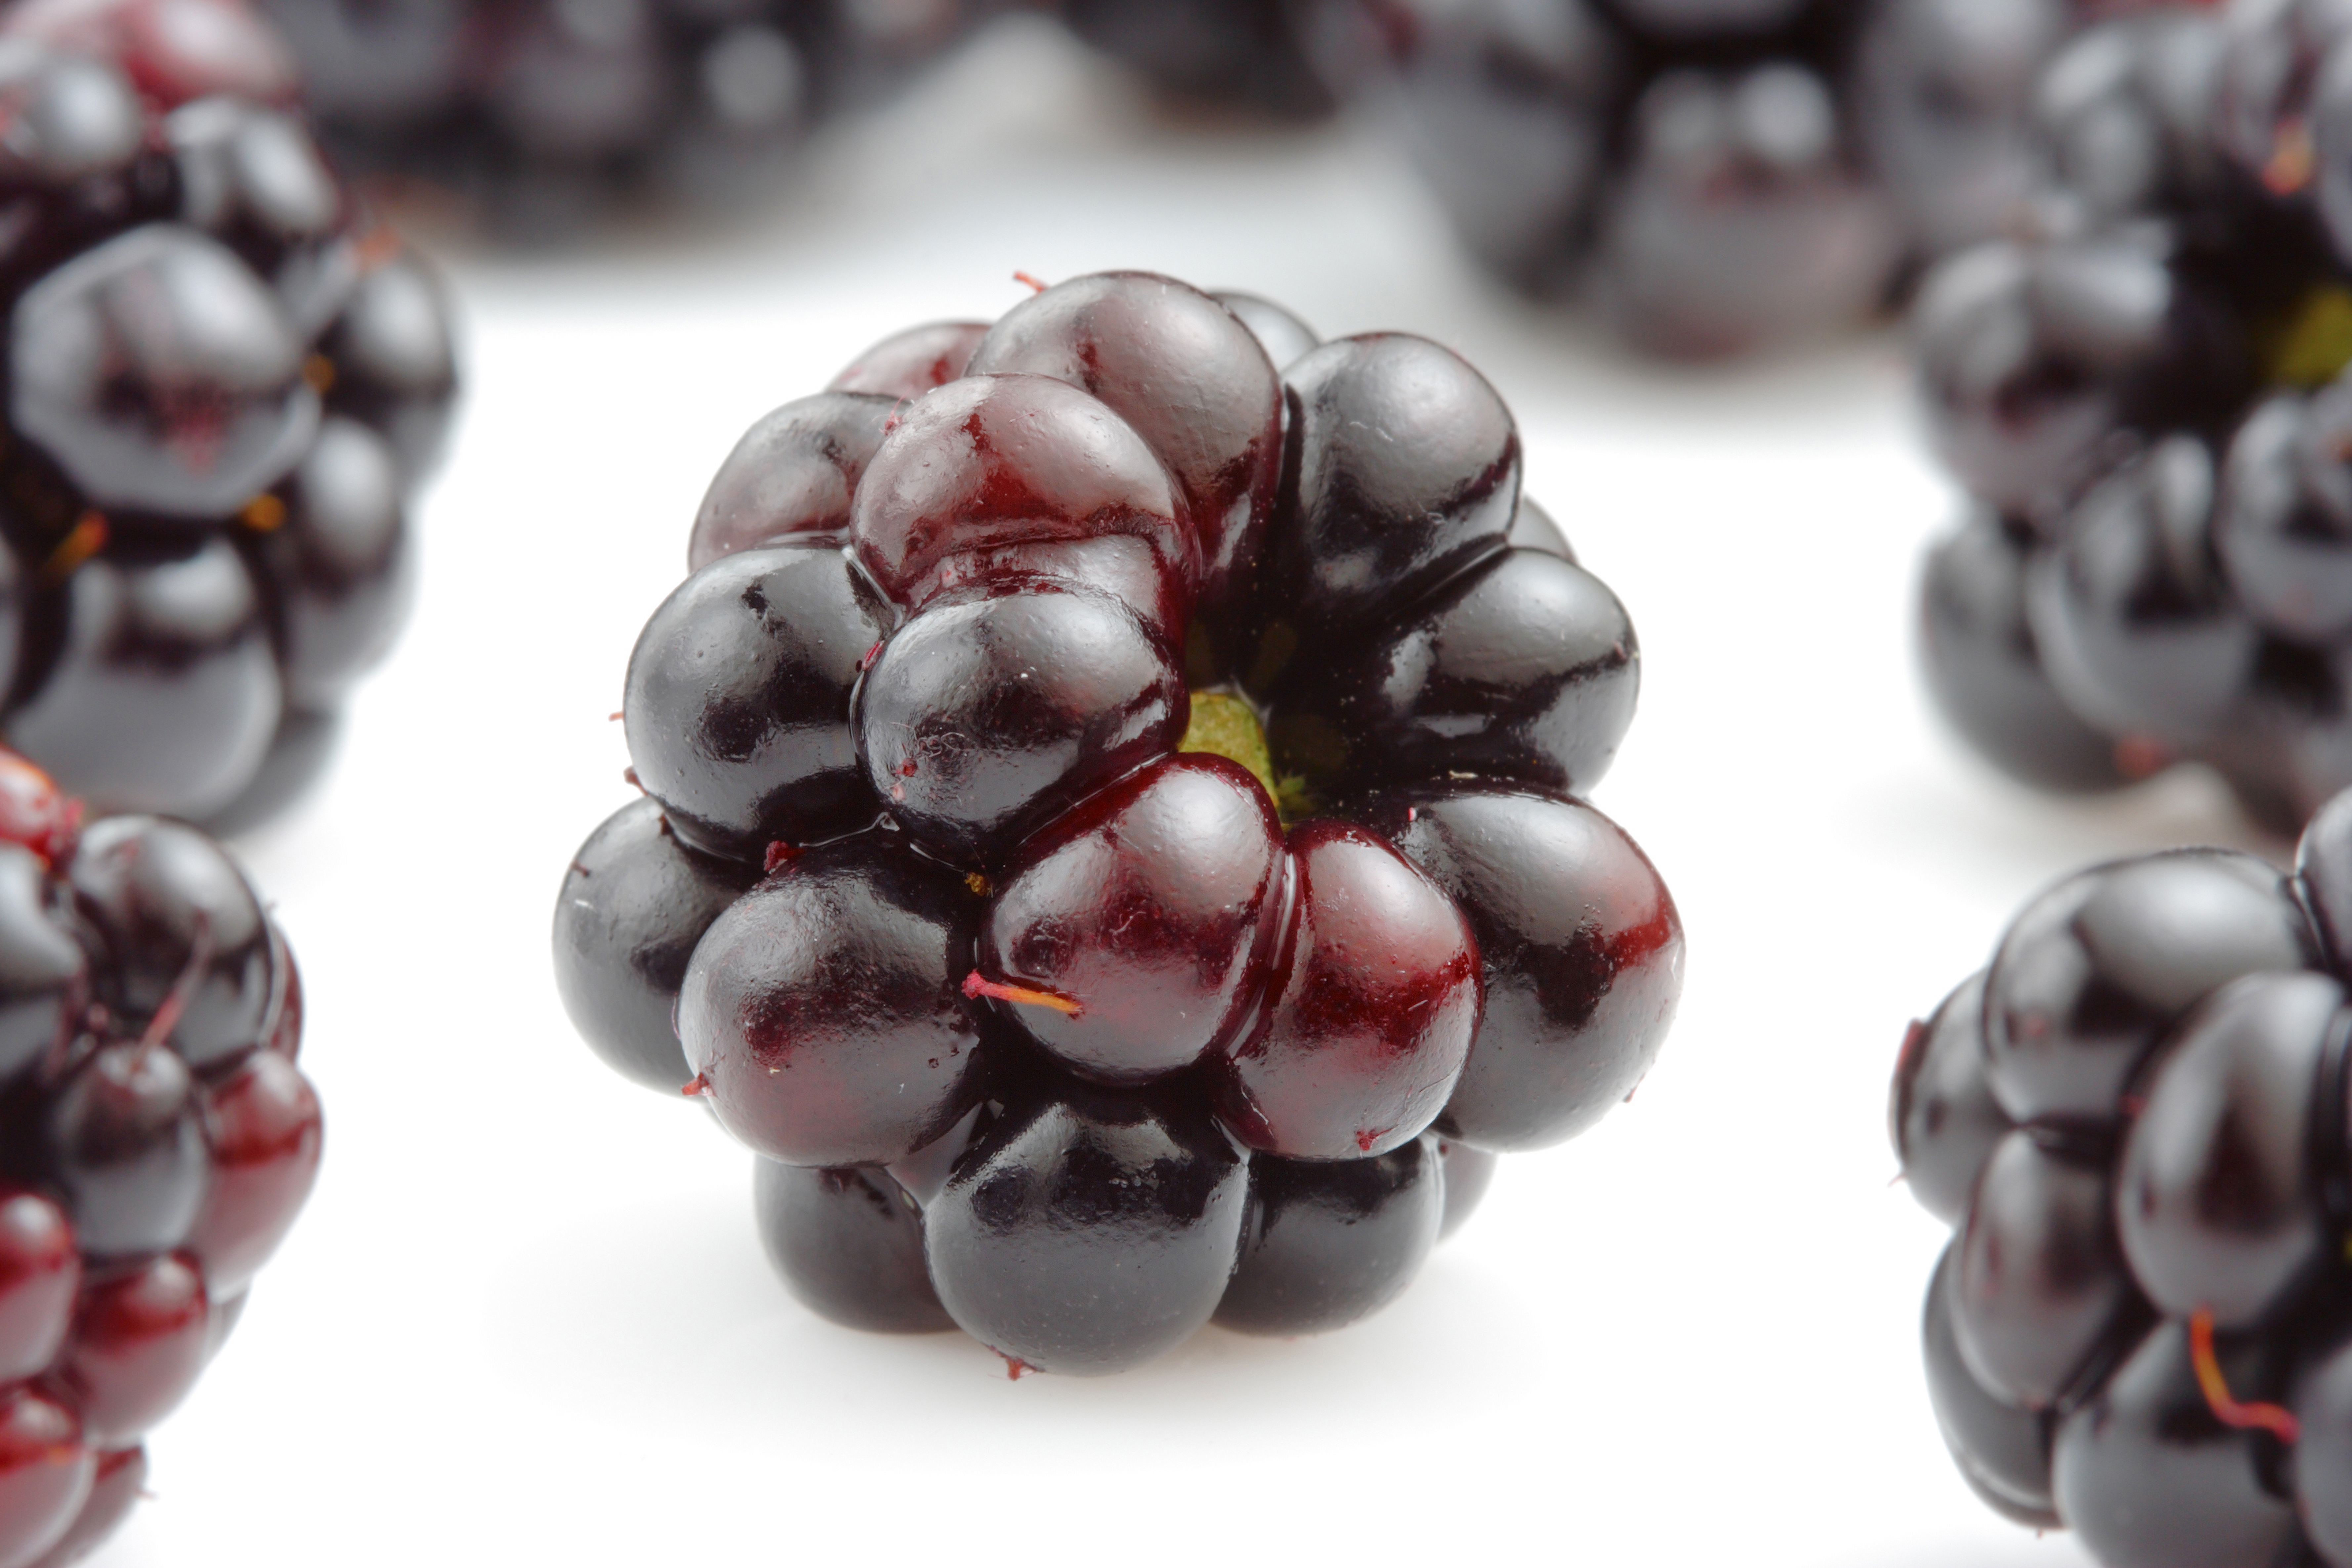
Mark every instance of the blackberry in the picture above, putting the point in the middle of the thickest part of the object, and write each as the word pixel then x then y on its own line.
pixel 156 1141
pixel 1047 866
pixel 1713 177
pixel 540 115
pixel 2144 391
pixel 2134 1120
pixel 223 384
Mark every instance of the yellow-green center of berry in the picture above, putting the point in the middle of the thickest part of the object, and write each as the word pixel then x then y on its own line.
pixel 1228 727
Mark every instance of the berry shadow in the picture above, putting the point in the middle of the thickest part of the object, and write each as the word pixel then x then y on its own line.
pixel 682 1327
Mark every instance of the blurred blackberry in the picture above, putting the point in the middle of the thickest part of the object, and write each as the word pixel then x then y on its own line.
pixel 223 385
pixel 156 1142
pixel 538 114
pixel 1249 53
pixel 2146 385
pixel 1712 176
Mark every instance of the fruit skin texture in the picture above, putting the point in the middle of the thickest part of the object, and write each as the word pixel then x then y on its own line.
pixel 40 1275
pixel 635 902
pixel 264 1127
pixel 2002 1450
pixel 2030 358
pixel 1469 1173
pixel 156 1142
pixel 2097 970
pixel 1382 514
pixel 119 1481
pixel 2041 1279
pixel 124 1140
pixel 179 919
pixel 1983 665
pixel 2217 1199
pixel 46 1472
pixel 1367 1033
pixel 1327 1242
pixel 2135 1121
pixel 906 364
pixel 1153 896
pixel 1191 381
pixel 2136 625
pixel 139 1343
pixel 2146 1474
pixel 849 1243
pixel 992 714
pixel 1945 1121
pixel 1087 1233
pixel 227 384
pixel 988 475
pixel 791 477
pixel 826 1010
pixel 1580 949
pixel 1524 667
pixel 756 634
pixel 1095 1001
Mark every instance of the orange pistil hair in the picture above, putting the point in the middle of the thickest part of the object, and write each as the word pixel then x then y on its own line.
pixel 2275 1419
pixel 1027 996
pixel 85 539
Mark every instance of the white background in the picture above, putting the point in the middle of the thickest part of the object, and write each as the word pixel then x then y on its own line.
pixel 525 1319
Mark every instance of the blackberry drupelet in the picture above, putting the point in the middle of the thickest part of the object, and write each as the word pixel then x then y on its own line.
pixel 1712 176
pixel 223 385
pixel 156 1141
pixel 541 114
pixel 1048 870
pixel 2143 393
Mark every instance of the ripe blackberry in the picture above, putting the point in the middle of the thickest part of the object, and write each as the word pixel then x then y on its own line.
pixel 2134 1119
pixel 223 385
pixel 540 114
pixel 1113 843
pixel 1711 176
pixel 156 1140
pixel 2145 396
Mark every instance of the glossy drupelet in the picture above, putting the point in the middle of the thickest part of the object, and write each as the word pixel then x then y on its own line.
pixel 1045 867
pixel 2134 1120
pixel 2142 390
pixel 541 115
pixel 224 385
pixel 156 1142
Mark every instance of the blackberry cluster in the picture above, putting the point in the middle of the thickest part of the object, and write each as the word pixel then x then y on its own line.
pixel 1713 175
pixel 2144 398
pixel 221 384
pixel 540 114
pixel 156 1140
pixel 1112 842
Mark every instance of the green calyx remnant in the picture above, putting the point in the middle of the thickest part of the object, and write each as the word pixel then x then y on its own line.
pixel 2314 343
pixel 1224 725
